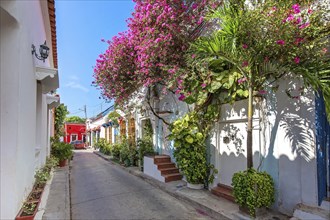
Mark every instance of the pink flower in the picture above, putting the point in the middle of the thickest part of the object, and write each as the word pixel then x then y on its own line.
pixel 245 46
pixel 193 56
pixel 324 50
pixel 194 6
pixel 182 97
pixel 280 42
pixel 241 80
pixel 296 8
pixel 262 92
pixel 298 40
pixel 203 85
pixel 290 17
pixel 274 8
pixel 297 21
pixel 296 60
pixel 304 26
pixel 245 63
pixel 310 11
pixel 177 91
pixel 200 20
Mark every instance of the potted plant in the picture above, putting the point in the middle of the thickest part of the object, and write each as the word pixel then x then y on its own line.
pixel 28 211
pixel 190 151
pixel 253 190
pixel 62 151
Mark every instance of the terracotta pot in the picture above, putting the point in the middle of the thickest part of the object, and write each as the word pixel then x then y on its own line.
pixel 63 163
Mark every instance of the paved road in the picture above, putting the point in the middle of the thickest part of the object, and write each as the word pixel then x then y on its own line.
pixel 100 190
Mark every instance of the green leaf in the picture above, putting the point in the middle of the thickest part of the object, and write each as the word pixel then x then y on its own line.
pixel 189 139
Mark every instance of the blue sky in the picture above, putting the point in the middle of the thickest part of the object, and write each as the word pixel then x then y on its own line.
pixel 80 27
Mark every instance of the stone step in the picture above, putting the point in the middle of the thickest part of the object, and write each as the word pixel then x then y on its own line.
pixel 164 171
pixel 224 192
pixel 165 165
pixel 309 212
pixel 172 177
pixel 158 160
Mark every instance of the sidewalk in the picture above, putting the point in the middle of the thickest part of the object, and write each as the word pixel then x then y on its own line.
pixel 58 203
pixel 203 200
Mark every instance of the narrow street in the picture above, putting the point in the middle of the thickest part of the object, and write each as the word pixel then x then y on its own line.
pixel 100 190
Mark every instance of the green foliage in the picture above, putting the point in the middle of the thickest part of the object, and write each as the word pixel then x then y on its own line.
pixel 128 153
pixel 190 149
pixel 253 189
pixel 29 208
pixel 60 114
pixel 104 146
pixel 145 147
pixel 41 176
pixel 116 150
pixel 75 119
pixel 61 150
pixel 51 162
pixel 113 117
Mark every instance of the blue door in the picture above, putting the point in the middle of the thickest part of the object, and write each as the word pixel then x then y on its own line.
pixel 322 147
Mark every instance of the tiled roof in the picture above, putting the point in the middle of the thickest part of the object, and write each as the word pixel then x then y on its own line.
pixel 51 12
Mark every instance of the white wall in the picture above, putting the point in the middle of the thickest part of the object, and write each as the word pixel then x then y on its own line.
pixel 283 144
pixel 21 25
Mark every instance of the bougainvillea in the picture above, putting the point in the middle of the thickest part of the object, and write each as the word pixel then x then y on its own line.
pixel 115 69
pixel 153 48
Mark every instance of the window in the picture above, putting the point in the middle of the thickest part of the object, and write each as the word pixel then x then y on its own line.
pixel 74 137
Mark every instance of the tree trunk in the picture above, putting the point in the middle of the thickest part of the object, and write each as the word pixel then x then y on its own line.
pixel 250 126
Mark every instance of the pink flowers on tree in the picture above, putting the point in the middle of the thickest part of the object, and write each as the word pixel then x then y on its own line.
pixel 151 50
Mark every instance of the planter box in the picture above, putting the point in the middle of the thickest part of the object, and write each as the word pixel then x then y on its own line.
pixel 195 186
pixel 23 216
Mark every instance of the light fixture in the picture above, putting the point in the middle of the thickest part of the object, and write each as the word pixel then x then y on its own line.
pixel 43 50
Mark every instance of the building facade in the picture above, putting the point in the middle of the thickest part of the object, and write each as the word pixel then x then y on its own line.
pixel 26 96
pixel 74 132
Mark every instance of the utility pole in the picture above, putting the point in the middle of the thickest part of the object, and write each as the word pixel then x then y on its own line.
pixel 85 110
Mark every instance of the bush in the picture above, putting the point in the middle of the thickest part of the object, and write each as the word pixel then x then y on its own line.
pixel 253 189
pixel 190 150
pixel 104 146
pixel 116 150
pixel 61 150
pixel 145 147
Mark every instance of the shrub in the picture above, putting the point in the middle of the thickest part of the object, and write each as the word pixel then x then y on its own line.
pixel 116 150
pixel 61 150
pixel 253 189
pixel 190 150
pixel 145 147
pixel 104 146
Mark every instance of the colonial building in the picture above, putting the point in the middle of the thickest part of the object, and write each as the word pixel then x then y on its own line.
pixel 74 132
pixel 28 78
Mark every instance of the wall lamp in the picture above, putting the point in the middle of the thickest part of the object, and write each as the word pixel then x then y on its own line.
pixel 43 50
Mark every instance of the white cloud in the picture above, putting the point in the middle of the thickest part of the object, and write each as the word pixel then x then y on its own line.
pixel 75 85
pixel 74 77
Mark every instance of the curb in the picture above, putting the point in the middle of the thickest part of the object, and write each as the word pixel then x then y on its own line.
pixel 162 186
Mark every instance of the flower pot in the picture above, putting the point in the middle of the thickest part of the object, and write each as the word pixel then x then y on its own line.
pixel 25 216
pixel 195 186
pixel 63 163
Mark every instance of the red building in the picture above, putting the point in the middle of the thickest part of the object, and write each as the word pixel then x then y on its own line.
pixel 74 132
